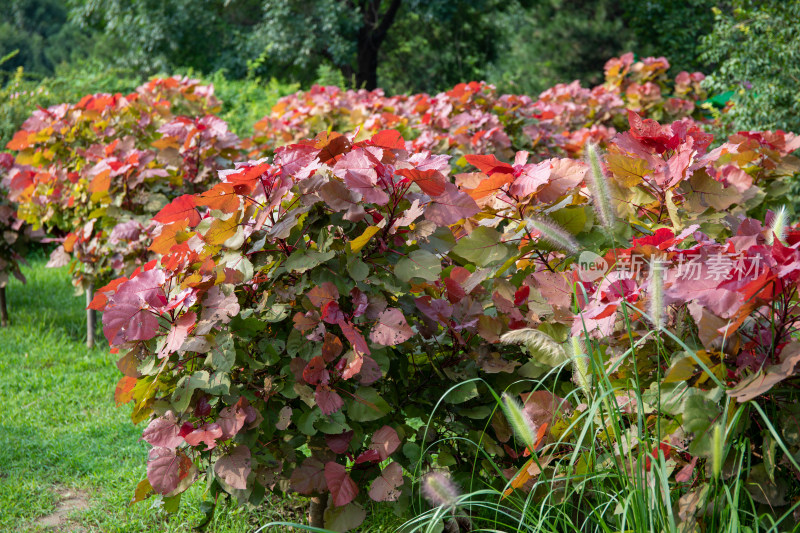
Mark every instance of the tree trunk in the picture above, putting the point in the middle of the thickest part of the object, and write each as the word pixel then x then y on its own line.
pixel 372 33
pixel 3 308
pixel 316 511
pixel 367 70
pixel 91 317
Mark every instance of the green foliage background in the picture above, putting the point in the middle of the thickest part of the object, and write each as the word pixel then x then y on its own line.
pixel 257 50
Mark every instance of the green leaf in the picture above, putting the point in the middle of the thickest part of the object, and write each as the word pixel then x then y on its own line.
pixel 302 260
pixel 440 241
pixel 357 269
pixel 306 421
pixel 573 219
pixel 462 393
pixel 419 264
pixel 223 355
pixel 367 405
pixel 482 247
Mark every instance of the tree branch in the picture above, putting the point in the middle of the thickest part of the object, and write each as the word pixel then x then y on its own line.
pixel 388 20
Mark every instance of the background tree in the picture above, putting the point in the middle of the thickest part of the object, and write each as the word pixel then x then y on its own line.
pixel 160 35
pixel 368 37
pixel 754 51
pixel 558 41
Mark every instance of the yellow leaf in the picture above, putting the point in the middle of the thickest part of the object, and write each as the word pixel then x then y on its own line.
pixel 627 171
pixel 681 370
pixel 362 240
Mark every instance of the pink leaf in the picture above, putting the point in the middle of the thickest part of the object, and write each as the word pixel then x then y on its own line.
pixel 392 328
pixel 127 318
pixel 384 488
pixel 451 206
pixel 531 179
pixel 370 371
pixel 163 470
pixel 208 434
pixel 163 432
pixel 217 306
pixel 310 477
pixel 178 333
pixel 357 168
pixel 342 487
pixel 385 441
pixel 234 467
pixel 685 474
pixel 232 419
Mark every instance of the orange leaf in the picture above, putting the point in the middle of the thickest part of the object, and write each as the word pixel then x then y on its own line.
pixel 20 141
pixel 124 391
pixel 221 197
pixel 168 237
pixel 391 139
pixel 490 185
pixel 101 182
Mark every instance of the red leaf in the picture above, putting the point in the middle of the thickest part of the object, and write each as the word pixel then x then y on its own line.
pixel 323 294
pixel 331 347
pixel 315 372
pixel 331 146
pixel 305 322
pixel 649 132
pixel 328 400
pixel 181 208
pixel 489 164
pixel 455 293
pixel 331 313
pixel 430 181
pixel 339 443
pixel 521 296
pixel 369 456
pixel 490 185
pixel 221 196
pixel 354 336
pixel 342 487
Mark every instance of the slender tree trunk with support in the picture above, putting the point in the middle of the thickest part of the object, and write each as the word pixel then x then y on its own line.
pixel 316 511
pixel 91 317
pixel 3 308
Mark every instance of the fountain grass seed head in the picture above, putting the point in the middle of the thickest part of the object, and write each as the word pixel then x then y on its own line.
pixel 597 183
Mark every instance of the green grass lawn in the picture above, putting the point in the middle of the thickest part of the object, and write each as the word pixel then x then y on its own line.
pixel 60 430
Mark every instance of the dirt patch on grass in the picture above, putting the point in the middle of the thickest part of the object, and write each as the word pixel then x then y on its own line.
pixel 69 500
